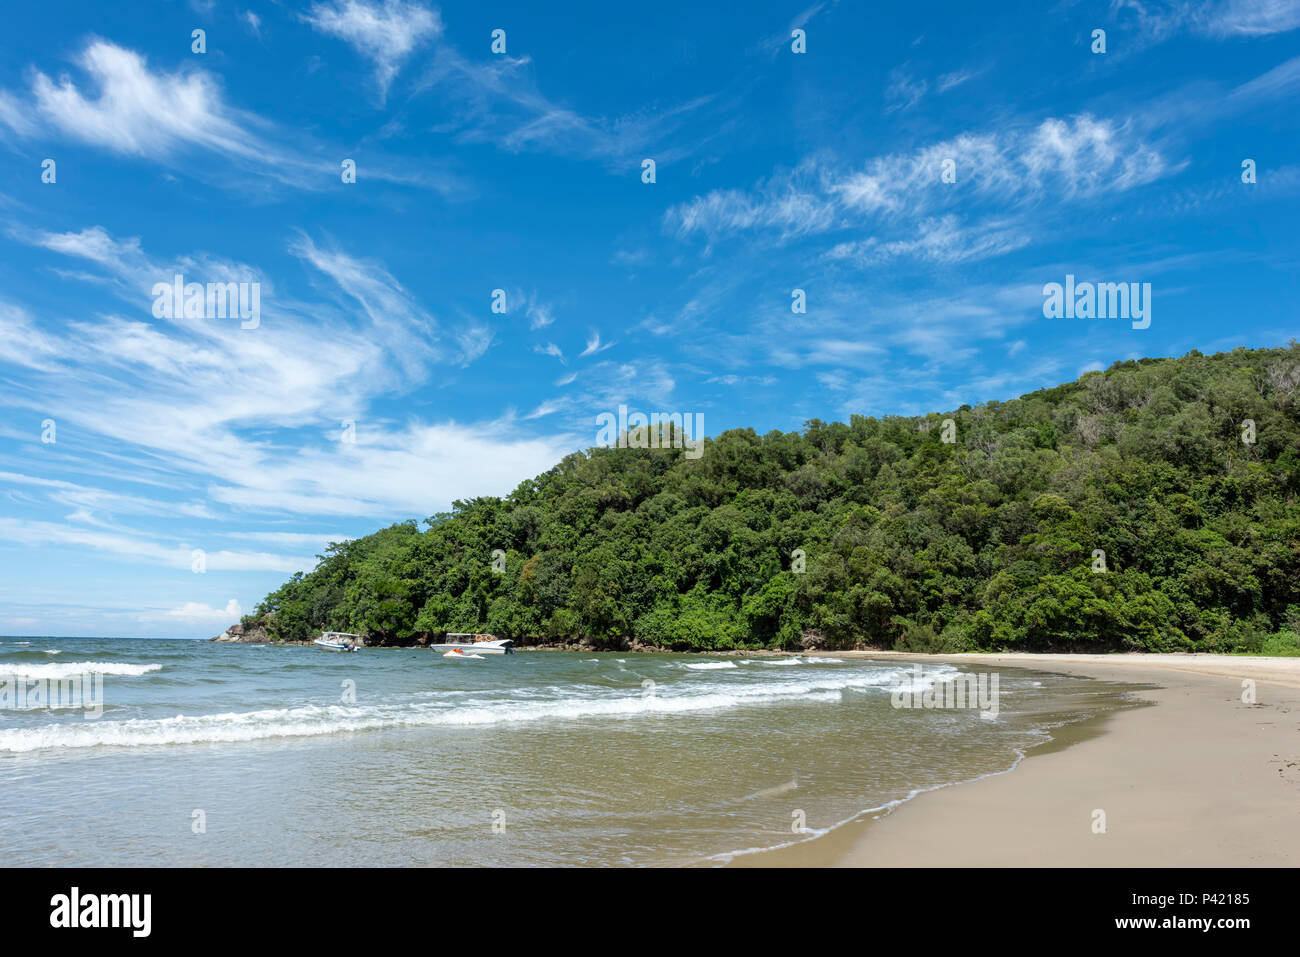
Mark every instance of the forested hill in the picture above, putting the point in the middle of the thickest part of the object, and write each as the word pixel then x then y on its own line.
pixel 880 533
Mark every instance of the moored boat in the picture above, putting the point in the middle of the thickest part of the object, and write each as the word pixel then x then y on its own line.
pixel 340 641
pixel 479 644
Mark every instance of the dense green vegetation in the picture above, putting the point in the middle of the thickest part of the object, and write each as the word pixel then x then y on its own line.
pixel 983 543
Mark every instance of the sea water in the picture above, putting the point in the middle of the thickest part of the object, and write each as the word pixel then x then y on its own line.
pixel 234 754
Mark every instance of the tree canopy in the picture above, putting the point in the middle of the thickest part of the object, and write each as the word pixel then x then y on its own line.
pixel 1151 506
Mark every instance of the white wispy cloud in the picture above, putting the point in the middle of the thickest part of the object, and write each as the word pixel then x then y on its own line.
pixel 1065 159
pixel 304 370
pixel 408 471
pixel 1279 82
pixel 904 90
pixel 409 330
pixel 131 109
pixel 646 385
pixel 1159 20
pixel 144 547
pixel 1254 17
pixel 956 78
pixel 790 203
pixel 550 349
pixel 386 33
pixel 309 540
pixel 545 409
pixel 196 613
pixel 498 101
pixel 593 345
pixel 772 45
pixel 88 500
pixel 179 118
pixel 540 314
pixel 941 240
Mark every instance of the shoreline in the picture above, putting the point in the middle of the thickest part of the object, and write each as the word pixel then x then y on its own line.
pixel 1198 778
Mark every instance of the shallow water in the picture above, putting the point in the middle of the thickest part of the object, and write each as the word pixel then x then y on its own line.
pixel 533 758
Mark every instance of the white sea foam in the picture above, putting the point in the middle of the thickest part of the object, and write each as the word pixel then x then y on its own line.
pixel 793 661
pixel 57 672
pixel 711 665
pixel 796 660
pixel 316 720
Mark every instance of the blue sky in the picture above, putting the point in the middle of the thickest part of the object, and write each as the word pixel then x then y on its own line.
pixel 523 171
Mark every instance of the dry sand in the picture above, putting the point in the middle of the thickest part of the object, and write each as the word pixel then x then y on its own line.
pixel 1200 779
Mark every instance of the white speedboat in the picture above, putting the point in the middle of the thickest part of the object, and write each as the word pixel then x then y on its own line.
pixel 457 655
pixel 474 644
pixel 340 641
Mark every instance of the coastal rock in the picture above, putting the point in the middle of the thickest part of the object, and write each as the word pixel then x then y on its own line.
pixel 812 641
pixel 238 632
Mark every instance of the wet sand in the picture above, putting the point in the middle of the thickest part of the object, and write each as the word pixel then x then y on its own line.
pixel 1200 778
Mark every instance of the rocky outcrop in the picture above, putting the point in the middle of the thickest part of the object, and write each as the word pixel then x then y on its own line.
pixel 255 632
pixel 812 641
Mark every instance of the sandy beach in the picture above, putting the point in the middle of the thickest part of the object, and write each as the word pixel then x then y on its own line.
pixel 1200 778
